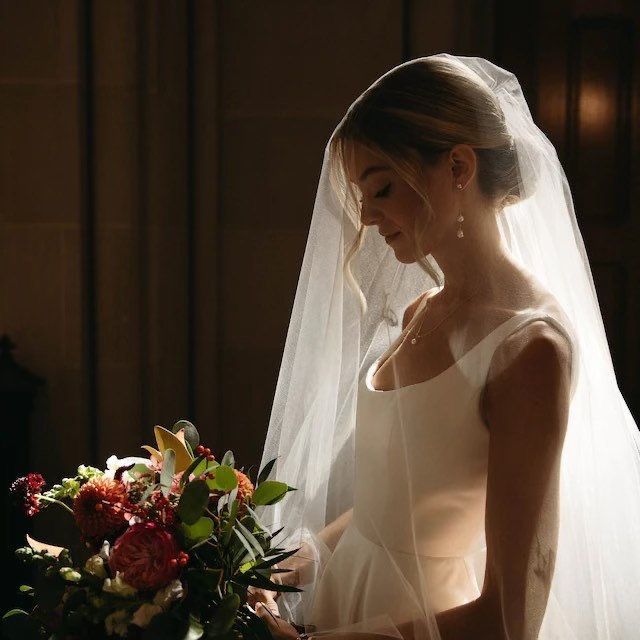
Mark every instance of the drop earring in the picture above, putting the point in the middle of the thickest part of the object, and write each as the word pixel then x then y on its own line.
pixel 460 219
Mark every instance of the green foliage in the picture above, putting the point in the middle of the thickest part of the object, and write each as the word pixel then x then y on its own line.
pixel 191 435
pixel 199 530
pixel 193 501
pixel 19 625
pixel 168 469
pixel 224 480
pixel 69 487
pixel 270 492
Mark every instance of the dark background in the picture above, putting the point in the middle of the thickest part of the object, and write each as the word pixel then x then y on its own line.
pixel 158 165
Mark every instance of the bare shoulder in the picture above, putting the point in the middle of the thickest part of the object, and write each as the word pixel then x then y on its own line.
pixel 411 309
pixel 531 367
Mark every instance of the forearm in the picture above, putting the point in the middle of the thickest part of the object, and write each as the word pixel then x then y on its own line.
pixel 332 533
pixel 301 563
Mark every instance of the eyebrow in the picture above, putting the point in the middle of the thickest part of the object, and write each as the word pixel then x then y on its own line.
pixel 372 169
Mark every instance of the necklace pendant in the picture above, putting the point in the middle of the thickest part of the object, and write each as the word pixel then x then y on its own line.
pixel 413 340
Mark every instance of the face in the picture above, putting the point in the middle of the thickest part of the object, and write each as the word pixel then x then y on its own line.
pixel 392 205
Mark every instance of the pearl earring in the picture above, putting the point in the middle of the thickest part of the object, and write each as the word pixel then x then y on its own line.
pixel 460 218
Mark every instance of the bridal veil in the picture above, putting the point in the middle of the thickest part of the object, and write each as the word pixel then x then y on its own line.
pixel 337 330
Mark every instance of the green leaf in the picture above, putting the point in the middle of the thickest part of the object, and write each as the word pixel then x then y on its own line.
pixel 195 468
pixel 199 530
pixel 269 492
pixel 251 539
pixel 140 468
pixel 228 459
pixel 191 434
pixel 19 625
pixel 224 480
pixel 245 544
pixel 168 469
pixel 208 579
pixel 228 528
pixel 271 561
pixel 264 474
pixel 257 580
pixel 193 501
pixel 25 588
pixel 224 616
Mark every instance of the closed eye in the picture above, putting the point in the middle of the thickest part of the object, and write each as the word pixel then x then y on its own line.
pixel 383 193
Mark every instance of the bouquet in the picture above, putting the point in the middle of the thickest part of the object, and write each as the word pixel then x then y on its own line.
pixel 173 543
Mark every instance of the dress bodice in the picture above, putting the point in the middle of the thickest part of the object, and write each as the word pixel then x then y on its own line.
pixel 428 437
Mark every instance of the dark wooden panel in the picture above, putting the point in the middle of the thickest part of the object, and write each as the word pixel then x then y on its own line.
pixel 598 115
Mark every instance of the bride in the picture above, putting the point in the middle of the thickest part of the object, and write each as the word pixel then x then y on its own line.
pixel 447 409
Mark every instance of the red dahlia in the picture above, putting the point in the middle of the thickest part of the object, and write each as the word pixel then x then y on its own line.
pixel 99 507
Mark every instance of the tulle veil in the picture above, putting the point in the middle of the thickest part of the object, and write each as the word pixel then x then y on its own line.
pixel 331 345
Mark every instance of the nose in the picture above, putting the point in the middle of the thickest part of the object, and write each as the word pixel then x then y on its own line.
pixel 368 215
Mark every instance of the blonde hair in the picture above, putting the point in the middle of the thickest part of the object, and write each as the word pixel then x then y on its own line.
pixel 409 117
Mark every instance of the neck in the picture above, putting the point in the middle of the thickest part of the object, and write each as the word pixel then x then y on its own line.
pixel 472 264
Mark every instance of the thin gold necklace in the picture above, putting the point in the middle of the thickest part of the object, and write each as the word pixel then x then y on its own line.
pixel 418 335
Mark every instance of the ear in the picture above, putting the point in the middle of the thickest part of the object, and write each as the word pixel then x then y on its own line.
pixel 463 162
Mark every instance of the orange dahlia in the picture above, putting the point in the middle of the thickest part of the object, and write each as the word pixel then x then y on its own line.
pixel 245 487
pixel 99 507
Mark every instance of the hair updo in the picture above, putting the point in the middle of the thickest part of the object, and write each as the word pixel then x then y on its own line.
pixel 413 114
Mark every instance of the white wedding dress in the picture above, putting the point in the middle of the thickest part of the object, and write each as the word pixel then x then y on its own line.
pixel 448 443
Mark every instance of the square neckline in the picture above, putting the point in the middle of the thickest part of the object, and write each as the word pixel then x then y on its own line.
pixel 370 370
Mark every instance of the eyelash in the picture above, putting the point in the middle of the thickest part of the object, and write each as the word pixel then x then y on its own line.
pixel 383 193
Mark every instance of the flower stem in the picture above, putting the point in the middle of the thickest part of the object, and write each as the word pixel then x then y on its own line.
pixel 40 496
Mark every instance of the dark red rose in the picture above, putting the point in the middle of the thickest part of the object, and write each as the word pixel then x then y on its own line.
pixel 147 555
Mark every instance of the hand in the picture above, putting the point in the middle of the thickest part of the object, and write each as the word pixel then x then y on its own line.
pixel 269 613
pixel 256 594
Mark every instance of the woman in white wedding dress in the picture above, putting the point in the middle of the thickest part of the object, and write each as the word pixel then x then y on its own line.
pixel 439 407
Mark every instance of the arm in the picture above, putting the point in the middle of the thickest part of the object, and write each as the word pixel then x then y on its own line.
pixel 301 562
pixel 525 405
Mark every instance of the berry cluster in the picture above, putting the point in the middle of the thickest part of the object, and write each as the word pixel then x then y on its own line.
pixel 206 452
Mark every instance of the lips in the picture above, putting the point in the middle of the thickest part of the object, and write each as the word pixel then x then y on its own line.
pixel 392 236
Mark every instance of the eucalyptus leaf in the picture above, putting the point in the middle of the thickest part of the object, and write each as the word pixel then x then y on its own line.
pixel 168 470
pixel 228 459
pixel 193 501
pixel 191 434
pixel 225 479
pixel 202 528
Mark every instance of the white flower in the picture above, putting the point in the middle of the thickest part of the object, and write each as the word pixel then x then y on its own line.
pixel 116 623
pixel 95 565
pixel 144 613
pixel 118 586
pixel 105 550
pixel 172 592
pixel 114 463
